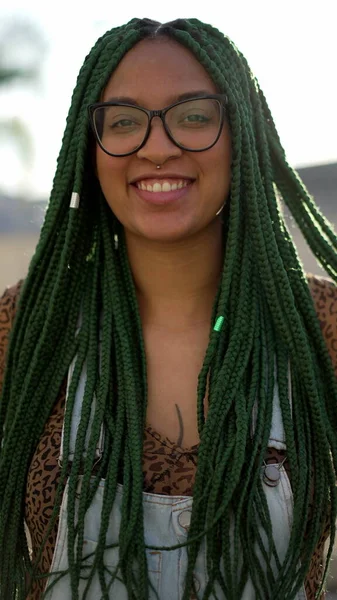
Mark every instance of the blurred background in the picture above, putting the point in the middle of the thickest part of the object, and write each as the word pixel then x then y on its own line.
pixel 291 48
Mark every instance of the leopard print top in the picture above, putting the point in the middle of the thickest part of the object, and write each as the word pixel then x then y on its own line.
pixel 167 468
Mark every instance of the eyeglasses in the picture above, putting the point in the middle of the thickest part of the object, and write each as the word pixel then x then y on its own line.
pixel 194 124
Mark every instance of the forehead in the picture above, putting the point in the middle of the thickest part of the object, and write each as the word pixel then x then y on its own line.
pixel 155 72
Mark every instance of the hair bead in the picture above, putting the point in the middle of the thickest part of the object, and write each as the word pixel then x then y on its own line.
pixel 218 324
pixel 75 200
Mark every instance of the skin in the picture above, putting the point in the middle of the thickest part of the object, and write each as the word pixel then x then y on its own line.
pixel 184 236
pixel 181 427
pixel 175 251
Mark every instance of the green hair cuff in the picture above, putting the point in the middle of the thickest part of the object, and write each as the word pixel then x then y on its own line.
pixel 219 323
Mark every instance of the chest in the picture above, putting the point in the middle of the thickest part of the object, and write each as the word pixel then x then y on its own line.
pixel 173 366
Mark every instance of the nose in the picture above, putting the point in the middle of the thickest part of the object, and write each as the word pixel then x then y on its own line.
pixel 158 147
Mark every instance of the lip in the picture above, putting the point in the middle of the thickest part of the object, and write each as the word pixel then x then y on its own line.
pixel 156 175
pixel 162 198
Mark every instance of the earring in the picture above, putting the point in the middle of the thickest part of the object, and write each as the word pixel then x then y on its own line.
pixel 116 241
pixel 220 209
pixel 158 166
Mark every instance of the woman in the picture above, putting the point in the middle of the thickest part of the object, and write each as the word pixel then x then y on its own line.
pixel 166 324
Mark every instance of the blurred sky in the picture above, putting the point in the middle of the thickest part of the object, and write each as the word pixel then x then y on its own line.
pixel 291 45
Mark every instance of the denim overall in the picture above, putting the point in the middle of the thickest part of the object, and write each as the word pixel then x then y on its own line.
pixel 166 523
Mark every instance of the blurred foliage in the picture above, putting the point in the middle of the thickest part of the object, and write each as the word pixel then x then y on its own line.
pixel 7 75
pixel 21 48
pixel 14 128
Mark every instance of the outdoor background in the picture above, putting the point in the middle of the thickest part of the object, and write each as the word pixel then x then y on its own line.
pixel 290 46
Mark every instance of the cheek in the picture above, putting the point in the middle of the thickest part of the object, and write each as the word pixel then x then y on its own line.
pixel 111 172
pixel 223 149
pixel 102 165
pixel 217 167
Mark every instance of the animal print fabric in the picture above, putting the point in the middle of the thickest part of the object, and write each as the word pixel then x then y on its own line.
pixel 168 469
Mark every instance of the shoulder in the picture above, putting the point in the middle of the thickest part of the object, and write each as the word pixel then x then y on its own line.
pixel 324 294
pixel 8 303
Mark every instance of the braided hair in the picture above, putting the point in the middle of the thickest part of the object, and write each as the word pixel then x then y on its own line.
pixel 263 324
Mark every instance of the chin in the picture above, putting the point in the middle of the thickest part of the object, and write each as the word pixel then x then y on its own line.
pixel 163 235
pixel 167 237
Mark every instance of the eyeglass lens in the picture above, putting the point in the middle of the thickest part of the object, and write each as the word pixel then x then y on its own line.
pixel 193 124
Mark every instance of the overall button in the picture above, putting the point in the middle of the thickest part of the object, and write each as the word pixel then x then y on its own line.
pixel 271 475
pixel 184 519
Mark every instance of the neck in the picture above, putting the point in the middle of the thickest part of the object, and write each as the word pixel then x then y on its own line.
pixel 176 283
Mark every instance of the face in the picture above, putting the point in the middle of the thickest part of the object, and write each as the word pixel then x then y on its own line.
pixel 154 74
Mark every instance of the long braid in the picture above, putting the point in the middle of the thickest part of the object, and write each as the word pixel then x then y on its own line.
pixel 264 327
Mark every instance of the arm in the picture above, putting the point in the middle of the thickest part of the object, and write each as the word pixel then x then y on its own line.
pixel 8 303
pixel 324 295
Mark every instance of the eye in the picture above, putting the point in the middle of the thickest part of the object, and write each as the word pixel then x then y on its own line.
pixel 192 116
pixel 120 119
pixel 124 123
pixel 196 118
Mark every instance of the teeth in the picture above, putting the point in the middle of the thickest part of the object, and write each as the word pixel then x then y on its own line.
pixel 162 187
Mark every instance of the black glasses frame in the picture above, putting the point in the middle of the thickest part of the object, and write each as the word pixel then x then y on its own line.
pixel 221 99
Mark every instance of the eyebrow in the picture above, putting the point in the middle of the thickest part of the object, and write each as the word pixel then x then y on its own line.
pixel 185 96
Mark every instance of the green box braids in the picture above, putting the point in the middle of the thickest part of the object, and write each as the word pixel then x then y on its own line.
pixel 263 321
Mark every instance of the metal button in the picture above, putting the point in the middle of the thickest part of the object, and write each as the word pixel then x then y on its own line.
pixel 271 475
pixel 184 519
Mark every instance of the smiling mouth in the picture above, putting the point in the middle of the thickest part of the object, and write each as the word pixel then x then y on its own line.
pixel 163 185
